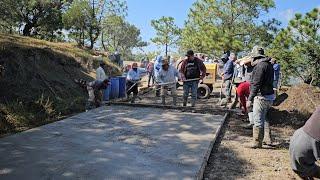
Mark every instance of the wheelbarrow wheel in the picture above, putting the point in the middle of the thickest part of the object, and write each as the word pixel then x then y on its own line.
pixel 203 91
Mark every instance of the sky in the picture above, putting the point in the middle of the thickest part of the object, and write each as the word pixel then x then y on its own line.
pixel 141 12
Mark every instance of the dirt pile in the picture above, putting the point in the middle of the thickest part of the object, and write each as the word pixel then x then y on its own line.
pixel 38 84
pixel 294 106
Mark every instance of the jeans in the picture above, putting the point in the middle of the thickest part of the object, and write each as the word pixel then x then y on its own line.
pixel 193 85
pixel 150 78
pixel 275 84
pixel 260 109
pixel 228 88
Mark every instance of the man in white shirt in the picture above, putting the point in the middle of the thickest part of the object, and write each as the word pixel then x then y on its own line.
pixel 100 73
pixel 168 76
pixel 133 77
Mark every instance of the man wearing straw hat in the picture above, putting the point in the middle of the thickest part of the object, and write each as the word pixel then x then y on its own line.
pixel 167 78
pixel 192 70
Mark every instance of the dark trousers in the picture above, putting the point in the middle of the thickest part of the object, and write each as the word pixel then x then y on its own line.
pixel 133 89
pixel 151 76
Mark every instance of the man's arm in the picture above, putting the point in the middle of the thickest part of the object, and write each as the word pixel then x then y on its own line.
pixel 257 77
pixel 203 69
pixel 182 69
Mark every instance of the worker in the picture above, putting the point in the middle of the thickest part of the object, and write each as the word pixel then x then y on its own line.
pixel 243 91
pixel 305 148
pixel 94 89
pixel 261 96
pixel 133 77
pixel 157 68
pixel 168 76
pixel 192 70
pixel 227 76
pixel 150 71
pixel 100 73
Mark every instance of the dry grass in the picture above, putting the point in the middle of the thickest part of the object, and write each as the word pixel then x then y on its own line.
pixel 69 49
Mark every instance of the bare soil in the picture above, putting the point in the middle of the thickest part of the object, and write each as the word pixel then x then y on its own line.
pixel 232 159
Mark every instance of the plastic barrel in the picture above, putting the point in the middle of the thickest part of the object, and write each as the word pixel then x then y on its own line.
pixel 122 87
pixel 114 93
pixel 106 93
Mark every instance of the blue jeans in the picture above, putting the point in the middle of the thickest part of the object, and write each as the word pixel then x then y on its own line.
pixel 191 85
pixel 260 109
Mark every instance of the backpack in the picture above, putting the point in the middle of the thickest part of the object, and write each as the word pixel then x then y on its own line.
pixel 192 69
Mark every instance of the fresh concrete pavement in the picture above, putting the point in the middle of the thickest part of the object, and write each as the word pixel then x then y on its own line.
pixel 114 142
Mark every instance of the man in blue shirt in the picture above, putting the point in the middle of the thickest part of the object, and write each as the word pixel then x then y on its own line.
pixel 276 69
pixel 133 77
pixel 228 70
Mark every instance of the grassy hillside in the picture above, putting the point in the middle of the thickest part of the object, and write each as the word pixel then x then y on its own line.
pixel 38 85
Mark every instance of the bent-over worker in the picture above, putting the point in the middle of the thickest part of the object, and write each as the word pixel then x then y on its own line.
pixel 95 95
pixel 133 77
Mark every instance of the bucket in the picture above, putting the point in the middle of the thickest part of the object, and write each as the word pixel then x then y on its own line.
pixel 106 93
pixel 114 93
pixel 122 87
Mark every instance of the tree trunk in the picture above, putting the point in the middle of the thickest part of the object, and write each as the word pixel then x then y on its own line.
pixel 166 50
pixel 27 29
pixel 102 42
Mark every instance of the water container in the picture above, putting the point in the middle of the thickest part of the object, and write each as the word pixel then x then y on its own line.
pixel 122 87
pixel 106 93
pixel 114 93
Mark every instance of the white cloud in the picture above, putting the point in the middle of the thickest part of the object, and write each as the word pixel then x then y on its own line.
pixel 287 15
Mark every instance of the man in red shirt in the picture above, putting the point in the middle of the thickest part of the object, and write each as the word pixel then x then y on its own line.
pixel 243 92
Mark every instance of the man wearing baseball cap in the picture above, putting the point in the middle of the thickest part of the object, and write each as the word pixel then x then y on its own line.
pixel 192 70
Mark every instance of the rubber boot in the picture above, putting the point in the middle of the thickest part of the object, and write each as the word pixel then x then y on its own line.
pixel 257 137
pixel 174 101
pixel 163 100
pixel 133 98
pixel 185 100
pixel 193 102
pixel 267 134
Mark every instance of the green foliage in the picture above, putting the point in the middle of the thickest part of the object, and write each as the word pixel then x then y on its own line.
pixel 224 25
pixel 119 35
pixel 32 17
pixel 167 33
pixel 298 47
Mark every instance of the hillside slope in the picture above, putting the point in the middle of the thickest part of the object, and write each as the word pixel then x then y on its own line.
pixel 37 86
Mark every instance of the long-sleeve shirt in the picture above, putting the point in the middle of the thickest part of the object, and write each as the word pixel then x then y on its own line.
pixel 228 69
pixel 169 76
pixel 243 92
pixel 276 69
pixel 133 75
pixel 100 74
pixel 202 68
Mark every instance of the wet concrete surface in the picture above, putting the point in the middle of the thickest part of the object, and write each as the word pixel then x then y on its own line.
pixel 114 142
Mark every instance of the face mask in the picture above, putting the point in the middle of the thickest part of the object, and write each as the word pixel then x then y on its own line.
pixel 135 69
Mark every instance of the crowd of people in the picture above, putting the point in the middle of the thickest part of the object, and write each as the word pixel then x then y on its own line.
pixel 256 80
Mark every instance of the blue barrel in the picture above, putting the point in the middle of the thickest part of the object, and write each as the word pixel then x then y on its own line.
pixel 106 93
pixel 114 93
pixel 122 87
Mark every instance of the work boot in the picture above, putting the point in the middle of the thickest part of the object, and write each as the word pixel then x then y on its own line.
pixel 185 100
pixel 193 102
pixel 257 138
pixel 163 100
pixel 267 134
pixel 133 98
pixel 174 101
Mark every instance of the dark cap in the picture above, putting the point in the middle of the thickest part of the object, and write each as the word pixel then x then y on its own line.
pixel 190 53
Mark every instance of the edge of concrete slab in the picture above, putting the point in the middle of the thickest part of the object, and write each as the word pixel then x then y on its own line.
pixel 206 158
